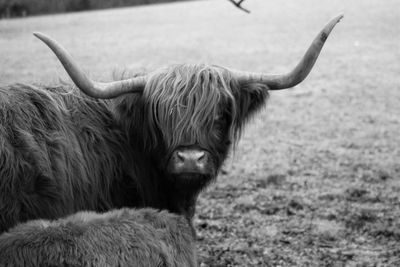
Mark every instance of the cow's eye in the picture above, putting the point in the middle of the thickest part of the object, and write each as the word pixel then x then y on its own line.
pixel 221 126
pixel 220 121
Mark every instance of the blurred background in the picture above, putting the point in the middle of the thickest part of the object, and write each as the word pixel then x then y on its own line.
pixel 315 179
pixel 23 8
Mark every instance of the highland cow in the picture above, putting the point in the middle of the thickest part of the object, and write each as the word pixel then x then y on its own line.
pixel 154 140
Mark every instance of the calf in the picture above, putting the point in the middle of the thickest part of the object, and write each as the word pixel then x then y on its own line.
pixel 125 237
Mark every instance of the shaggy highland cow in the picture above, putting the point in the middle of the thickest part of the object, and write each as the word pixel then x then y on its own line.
pixel 154 140
pixel 125 237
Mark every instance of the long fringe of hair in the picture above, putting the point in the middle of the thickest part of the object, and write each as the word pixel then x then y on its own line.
pixel 184 100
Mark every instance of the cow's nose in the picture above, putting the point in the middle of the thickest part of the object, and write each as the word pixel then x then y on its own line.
pixel 190 156
pixel 189 161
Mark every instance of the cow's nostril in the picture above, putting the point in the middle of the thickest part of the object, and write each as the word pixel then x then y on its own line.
pixel 180 156
pixel 201 155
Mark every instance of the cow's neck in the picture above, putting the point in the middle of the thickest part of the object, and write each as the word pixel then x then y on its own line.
pixel 182 195
pixel 182 202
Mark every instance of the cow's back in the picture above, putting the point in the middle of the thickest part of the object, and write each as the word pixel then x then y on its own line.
pixel 60 152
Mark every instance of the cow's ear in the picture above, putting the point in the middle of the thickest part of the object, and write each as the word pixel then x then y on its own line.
pixel 252 97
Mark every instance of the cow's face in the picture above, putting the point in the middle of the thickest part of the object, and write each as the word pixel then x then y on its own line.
pixel 199 148
pixel 195 114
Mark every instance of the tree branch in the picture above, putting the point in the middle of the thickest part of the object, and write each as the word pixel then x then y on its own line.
pixel 238 5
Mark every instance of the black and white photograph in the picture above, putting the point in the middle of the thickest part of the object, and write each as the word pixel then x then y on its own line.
pixel 199 133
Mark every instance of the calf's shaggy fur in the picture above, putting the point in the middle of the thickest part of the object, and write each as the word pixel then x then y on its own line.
pixel 125 237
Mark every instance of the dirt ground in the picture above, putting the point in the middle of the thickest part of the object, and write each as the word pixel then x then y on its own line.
pixel 315 179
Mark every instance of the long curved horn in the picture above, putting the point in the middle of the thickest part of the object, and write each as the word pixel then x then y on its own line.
pixel 300 72
pixel 83 82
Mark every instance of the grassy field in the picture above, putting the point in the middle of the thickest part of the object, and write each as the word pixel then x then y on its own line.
pixel 315 180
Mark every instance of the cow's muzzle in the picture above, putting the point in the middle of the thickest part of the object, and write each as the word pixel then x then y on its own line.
pixel 190 161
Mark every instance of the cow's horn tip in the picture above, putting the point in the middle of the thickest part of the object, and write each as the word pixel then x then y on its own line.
pixel 40 35
pixel 339 17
